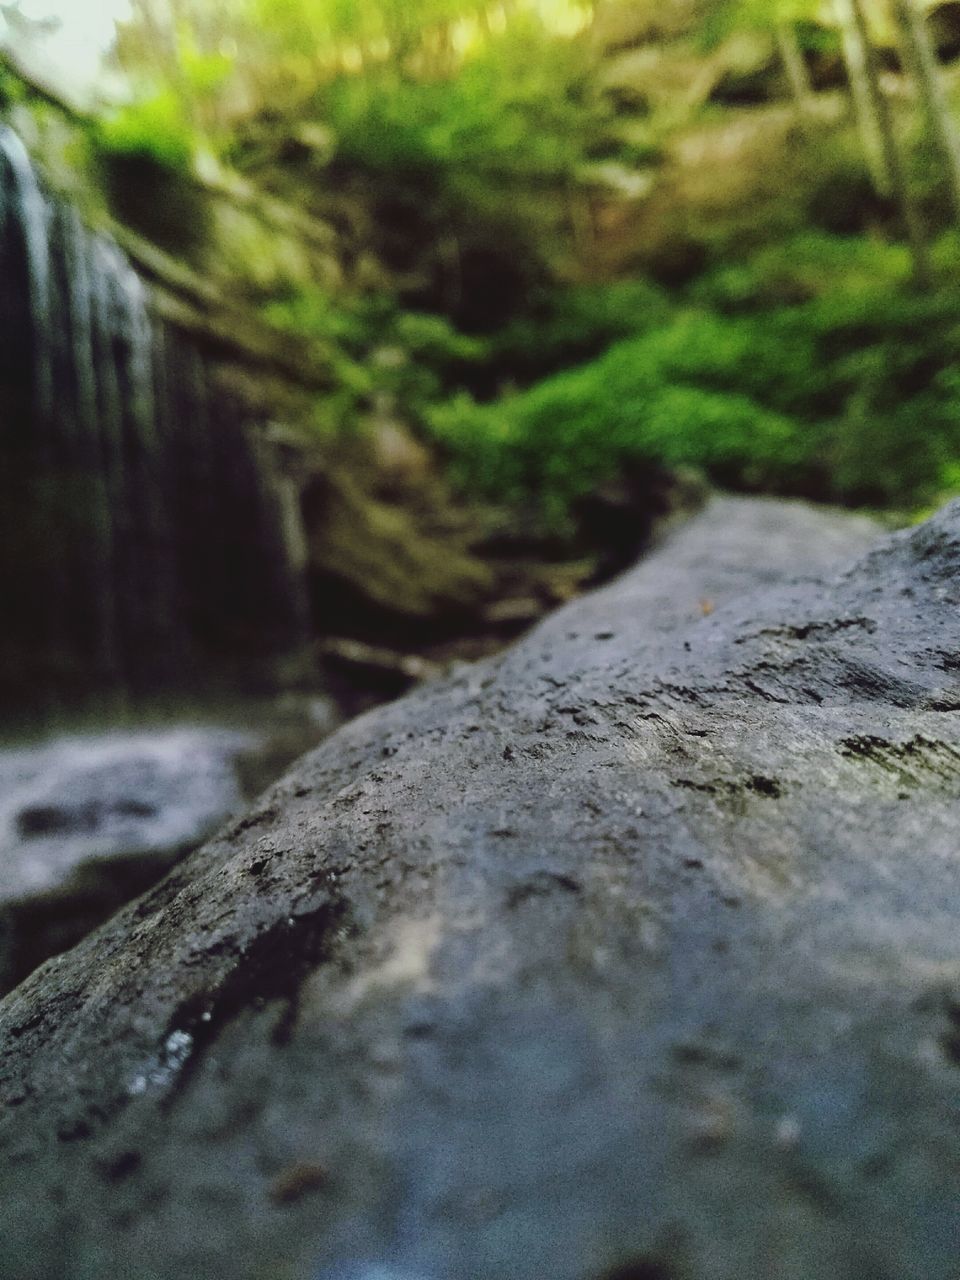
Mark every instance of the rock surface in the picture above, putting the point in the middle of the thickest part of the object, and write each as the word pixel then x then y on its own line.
pixel 632 954
pixel 99 796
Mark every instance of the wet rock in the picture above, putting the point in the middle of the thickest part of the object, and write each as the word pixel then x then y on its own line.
pixel 620 957
pixel 87 822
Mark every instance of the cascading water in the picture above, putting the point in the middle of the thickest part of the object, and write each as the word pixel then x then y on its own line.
pixel 138 542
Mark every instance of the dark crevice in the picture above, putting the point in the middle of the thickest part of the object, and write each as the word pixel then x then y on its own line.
pixel 763 786
pixel 950 1043
pixel 758 784
pixel 541 885
pixel 950 1040
pixel 272 968
pixel 811 1186
pixel 917 759
pixel 810 630
pixel 256 818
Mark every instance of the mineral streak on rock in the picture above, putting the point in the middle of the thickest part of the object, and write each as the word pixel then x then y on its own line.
pixel 607 958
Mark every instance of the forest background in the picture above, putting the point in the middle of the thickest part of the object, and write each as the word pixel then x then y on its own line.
pixel 560 241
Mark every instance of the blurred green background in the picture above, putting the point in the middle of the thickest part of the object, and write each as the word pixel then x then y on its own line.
pixel 569 237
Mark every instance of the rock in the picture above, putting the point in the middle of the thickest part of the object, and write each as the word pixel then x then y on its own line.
pixel 630 953
pixel 372 568
pixel 88 821
pixel 100 795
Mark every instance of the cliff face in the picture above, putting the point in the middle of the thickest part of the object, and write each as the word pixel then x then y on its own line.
pixel 632 952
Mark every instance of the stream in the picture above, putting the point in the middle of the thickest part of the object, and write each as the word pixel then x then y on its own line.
pixel 93 814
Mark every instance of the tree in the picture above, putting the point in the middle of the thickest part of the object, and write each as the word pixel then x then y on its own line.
pixel 921 62
pixel 866 94
pixel 791 55
pixel 881 145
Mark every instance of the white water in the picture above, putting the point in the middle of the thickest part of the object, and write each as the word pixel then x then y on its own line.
pixel 154 543
pixel 96 796
pixel 32 212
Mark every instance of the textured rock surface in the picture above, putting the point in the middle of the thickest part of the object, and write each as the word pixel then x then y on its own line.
pixel 631 953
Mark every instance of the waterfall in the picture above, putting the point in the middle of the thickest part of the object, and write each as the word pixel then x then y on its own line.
pixel 139 543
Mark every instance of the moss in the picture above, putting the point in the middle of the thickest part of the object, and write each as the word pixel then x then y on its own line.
pixel 145 154
pixel 810 369
pixel 154 128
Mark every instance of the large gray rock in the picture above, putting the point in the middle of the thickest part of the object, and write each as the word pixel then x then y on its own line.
pixel 632 953
pixel 82 796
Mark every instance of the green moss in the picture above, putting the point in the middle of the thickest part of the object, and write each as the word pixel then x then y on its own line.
pixel 154 128
pixel 12 89
pixel 809 369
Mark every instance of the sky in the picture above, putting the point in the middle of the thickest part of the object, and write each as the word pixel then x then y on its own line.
pixel 85 34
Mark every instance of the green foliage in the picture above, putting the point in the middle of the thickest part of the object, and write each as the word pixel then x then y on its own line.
pixel 566 326
pixel 202 74
pixel 316 315
pixel 435 157
pixel 505 116
pixel 558 440
pixel 374 349
pixel 358 325
pixel 340 332
pixel 145 153
pixel 433 341
pixel 808 368
pixel 296 26
pixel 806 266
pixel 154 128
pixel 419 356
pixel 12 88
pixel 819 376
pixel 476 163
pixel 798 360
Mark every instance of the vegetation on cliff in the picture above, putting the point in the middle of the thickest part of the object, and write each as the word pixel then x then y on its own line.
pixel 556 237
